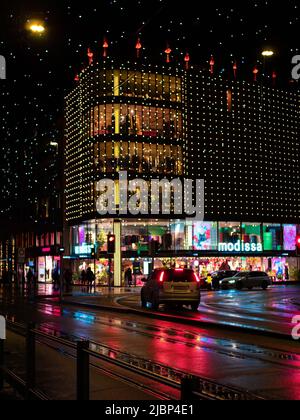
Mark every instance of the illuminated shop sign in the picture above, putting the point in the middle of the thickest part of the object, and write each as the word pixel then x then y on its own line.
pixel 240 246
pixel 83 249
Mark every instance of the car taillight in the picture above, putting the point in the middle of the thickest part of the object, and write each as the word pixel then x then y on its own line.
pixel 198 281
pixel 197 278
pixel 162 277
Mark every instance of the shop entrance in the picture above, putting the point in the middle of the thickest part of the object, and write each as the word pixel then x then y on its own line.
pixel 48 267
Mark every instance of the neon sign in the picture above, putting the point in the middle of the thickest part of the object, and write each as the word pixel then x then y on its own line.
pixel 83 249
pixel 240 246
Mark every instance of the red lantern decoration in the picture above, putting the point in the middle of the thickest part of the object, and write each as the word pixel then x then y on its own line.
pixel 235 67
pixel 76 78
pixel 274 77
pixel 138 47
pixel 105 48
pixel 168 52
pixel 255 73
pixel 90 55
pixel 187 61
pixel 212 65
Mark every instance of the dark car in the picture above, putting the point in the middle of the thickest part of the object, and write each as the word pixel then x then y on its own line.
pixel 247 279
pixel 172 287
pixel 217 276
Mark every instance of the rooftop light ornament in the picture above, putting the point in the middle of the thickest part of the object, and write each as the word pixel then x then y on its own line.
pixel 90 55
pixel 255 73
pixel 274 78
pixel 212 65
pixel 235 68
pixel 187 61
pixel 105 47
pixel 168 53
pixel 138 48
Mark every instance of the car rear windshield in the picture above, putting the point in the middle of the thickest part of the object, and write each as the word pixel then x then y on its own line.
pixel 177 276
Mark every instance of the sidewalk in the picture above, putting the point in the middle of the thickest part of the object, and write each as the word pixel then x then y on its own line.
pixel 56 374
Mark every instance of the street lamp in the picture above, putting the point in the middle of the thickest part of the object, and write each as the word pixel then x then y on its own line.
pixel 36 27
pixel 267 53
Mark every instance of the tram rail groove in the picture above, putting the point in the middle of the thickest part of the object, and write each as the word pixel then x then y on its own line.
pixel 198 387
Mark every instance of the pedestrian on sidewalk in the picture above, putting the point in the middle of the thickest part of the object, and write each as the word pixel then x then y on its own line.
pixel 128 277
pixel 68 277
pixel 29 277
pixel 83 277
pixel 90 277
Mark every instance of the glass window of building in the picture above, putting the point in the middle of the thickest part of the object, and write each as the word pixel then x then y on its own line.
pixel 252 233
pixel 289 237
pixel 205 236
pixel 272 234
pixel 135 236
pixel 229 232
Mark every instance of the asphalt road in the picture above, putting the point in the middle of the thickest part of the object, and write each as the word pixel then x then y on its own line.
pixel 265 366
pixel 272 310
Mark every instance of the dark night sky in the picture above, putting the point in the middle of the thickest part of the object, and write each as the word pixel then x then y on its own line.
pixel 41 70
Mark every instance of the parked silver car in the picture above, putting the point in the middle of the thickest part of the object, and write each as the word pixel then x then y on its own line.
pixel 248 280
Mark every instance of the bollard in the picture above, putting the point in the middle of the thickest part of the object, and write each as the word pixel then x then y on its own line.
pixel 83 371
pixel 1 365
pixel 30 359
pixel 187 389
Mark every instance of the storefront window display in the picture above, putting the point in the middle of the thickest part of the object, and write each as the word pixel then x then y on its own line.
pixel 135 237
pixel 278 268
pixel 102 229
pixel 100 268
pixel 289 237
pixel 139 268
pixel 272 234
pixel 252 233
pixel 48 269
pixel 178 232
pixel 205 236
pixel 229 232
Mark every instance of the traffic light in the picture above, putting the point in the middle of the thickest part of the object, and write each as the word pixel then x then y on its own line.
pixel 93 252
pixel 298 245
pixel 111 244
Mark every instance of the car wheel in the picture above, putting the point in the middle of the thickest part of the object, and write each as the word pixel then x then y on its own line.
pixel 195 307
pixel 143 300
pixel 239 285
pixel 155 303
pixel 265 285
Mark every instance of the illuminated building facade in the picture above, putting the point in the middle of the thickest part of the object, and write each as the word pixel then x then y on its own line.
pixel 168 122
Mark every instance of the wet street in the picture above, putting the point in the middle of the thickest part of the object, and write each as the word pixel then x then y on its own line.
pixel 272 310
pixel 263 365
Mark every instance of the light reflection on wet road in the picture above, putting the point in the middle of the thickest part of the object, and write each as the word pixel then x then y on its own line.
pixel 261 365
pixel 272 310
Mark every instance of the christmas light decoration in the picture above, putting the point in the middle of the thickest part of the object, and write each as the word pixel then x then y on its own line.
pixel 105 47
pixel 235 67
pixel 138 47
pixel 255 73
pixel 90 55
pixel 212 65
pixel 187 61
pixel 168 53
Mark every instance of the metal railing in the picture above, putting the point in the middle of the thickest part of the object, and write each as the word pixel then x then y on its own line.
pixel 190 387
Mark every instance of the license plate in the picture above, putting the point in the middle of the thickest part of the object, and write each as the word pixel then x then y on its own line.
pixel 181 288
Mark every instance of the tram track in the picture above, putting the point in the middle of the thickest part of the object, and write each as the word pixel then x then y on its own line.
pixel 176 336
